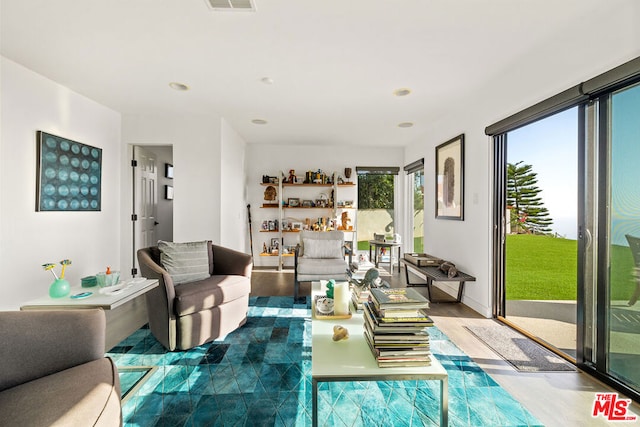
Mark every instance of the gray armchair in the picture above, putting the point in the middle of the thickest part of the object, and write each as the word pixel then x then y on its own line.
pixel 53 371
pixel 186 315
pixel 319 256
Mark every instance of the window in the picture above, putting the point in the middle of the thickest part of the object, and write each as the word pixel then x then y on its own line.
pixel 376 195
pixel 415 206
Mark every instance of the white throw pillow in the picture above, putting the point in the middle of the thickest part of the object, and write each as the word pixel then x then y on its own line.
pixel 314 248
pixel 185 262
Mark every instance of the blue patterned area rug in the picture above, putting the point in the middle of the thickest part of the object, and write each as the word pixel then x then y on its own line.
pixel 260 375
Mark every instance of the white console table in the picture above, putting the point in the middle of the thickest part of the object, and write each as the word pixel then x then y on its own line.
pixel 125 309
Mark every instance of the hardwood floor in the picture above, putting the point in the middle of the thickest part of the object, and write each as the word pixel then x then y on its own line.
pixel 555 398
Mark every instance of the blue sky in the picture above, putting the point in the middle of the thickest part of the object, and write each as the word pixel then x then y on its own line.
pixel 550 146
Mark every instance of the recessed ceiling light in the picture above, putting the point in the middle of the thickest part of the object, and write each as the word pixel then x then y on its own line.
pixel 267 80
pixel 405 125
pixel 178 86
pixel 402 91
pixel 259 122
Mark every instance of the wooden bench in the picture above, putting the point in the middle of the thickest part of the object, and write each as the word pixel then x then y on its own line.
pixel 433 274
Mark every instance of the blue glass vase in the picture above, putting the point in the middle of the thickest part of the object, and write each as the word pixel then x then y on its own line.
pixel 59 288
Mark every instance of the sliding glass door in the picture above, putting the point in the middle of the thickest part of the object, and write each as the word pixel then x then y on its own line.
pixel 540 284
pixel 622 251
pixel 606 243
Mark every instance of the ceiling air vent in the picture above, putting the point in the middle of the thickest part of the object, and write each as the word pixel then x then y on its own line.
pixel 232 5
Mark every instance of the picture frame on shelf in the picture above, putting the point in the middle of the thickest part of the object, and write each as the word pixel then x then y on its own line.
pixel 307 203
pixel 293 202
pixel 450 179
pixel 321 203
pixel 275 243
pixel 296 226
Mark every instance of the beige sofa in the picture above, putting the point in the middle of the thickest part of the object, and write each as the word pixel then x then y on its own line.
pixel 53 371
pixel 187 315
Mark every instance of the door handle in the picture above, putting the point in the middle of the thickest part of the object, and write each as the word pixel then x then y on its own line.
pixel 155 223
pixel 589 237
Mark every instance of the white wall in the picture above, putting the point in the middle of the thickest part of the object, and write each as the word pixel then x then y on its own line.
pixel 233 201
pixel 30 102
pixel 196 145
pixel 465 243
pixel 209 180
pixel 270 159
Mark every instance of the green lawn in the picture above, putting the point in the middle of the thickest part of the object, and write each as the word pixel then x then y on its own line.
pixel 545 268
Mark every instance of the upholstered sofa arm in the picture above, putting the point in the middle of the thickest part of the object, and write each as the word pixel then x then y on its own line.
pixel 41 342
pixel 229 261
pixel 153 270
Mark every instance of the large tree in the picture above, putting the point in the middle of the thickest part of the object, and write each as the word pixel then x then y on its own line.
pixel 375 191
pixel 528 214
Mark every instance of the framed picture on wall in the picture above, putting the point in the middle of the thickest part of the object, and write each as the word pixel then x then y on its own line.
pixel 69 175
pixel 450 179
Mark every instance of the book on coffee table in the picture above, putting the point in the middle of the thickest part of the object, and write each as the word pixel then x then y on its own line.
pixel 398 299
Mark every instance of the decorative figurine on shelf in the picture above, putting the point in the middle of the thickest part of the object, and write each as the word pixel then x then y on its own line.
pixel 270 194
pixel 319 177
pixel 264 248
pixel 345 222
pixel 347 174
pixel 292 176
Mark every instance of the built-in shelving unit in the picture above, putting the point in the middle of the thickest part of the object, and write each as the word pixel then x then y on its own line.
pixel 287 214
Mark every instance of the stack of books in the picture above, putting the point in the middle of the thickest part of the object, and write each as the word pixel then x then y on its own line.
pixel 358 269
pixel 395 327
pixel 359 297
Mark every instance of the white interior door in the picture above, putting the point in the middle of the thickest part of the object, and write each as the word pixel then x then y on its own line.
pixel 145 197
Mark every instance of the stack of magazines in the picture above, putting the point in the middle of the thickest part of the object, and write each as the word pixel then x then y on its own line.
pixel 395 327
pixel 359 297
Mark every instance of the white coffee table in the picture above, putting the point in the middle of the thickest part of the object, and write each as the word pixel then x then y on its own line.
pixel 351 360
pixel 125 310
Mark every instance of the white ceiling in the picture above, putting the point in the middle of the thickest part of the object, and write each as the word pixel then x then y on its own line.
pixel 334 63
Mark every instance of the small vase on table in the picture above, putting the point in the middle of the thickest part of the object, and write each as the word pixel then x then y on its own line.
pixel 59 288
